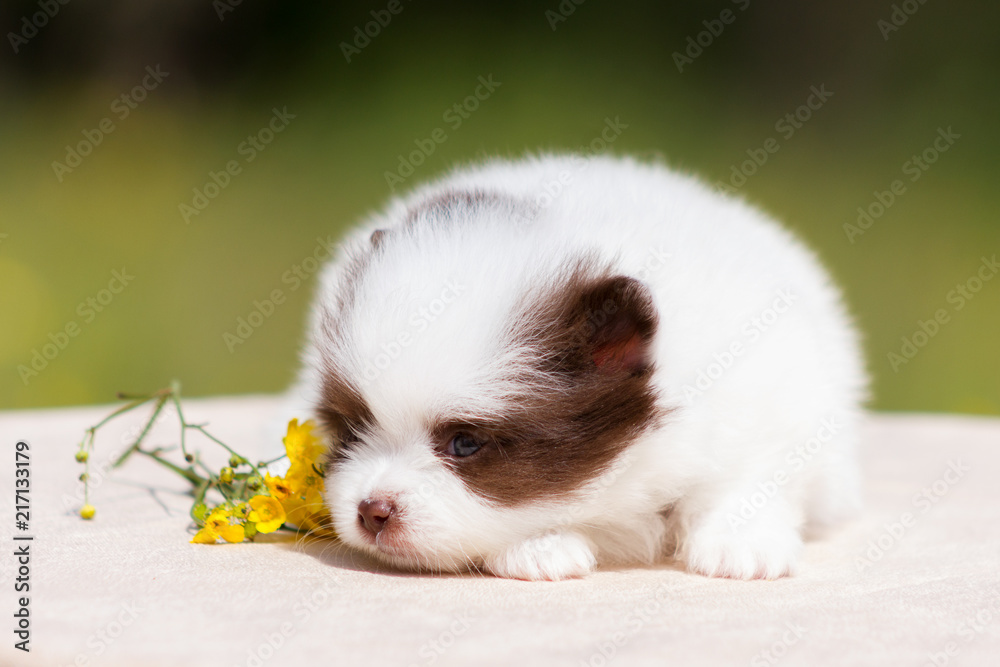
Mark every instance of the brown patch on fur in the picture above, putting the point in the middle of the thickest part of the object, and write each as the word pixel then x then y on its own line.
pixel 593 335
pixel 343 413
pixel 346 291
pixel 455 205
pixel 452 203
pixel 378 238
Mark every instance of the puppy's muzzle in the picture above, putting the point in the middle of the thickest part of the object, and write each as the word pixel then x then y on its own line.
pixel 374 514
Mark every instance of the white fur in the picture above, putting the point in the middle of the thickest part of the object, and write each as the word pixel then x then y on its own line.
pixel 713 265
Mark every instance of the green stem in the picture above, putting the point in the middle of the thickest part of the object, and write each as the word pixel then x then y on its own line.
pixel 201 491
pixel 213 480
pixel 264 464
pixel 160 402
pixel 202 485
pixel 120 411
pixel 175 397
pixel 89 447
pixel 201 429
pixel 188 474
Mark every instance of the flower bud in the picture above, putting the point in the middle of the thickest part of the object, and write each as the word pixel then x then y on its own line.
pixel 88 511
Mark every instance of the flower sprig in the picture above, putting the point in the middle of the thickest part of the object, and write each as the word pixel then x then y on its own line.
pixel 252 502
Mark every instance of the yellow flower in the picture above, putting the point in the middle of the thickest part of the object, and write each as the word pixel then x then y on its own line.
pixel 303 448
pixel 277 486
pixel 267 513
pixel 300 443
pixel 218 524
pixel 299 492
pixel 88 511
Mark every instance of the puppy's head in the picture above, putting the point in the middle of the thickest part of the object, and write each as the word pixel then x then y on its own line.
pixel 471 389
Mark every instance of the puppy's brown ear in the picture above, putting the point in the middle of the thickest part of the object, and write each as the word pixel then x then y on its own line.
pixel 616 321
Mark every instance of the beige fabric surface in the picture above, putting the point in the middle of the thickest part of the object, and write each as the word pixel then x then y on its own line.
pixel 128 589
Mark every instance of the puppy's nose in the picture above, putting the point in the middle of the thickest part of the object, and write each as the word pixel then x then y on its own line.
pixel 374 513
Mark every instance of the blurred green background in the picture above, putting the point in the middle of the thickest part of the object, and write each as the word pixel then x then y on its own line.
pixel 564 68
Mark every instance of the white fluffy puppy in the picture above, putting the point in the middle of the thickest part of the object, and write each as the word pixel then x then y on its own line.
pixel 532 367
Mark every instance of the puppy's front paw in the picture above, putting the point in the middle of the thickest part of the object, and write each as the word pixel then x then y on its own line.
pixel 756 552
pixel 552 556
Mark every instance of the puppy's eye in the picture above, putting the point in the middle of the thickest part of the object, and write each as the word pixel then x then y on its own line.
pixel 463 444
